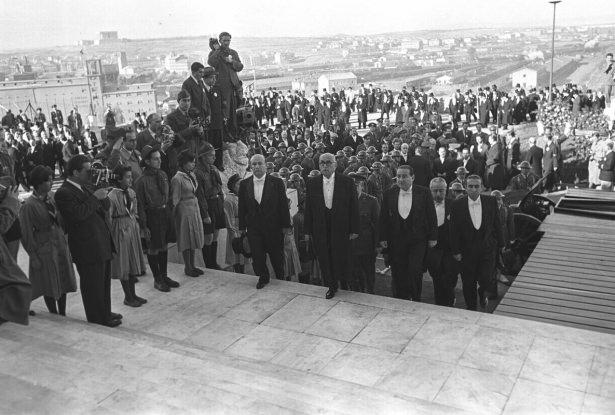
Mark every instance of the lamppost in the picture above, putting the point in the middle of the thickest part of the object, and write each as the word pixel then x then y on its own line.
pixel 554 3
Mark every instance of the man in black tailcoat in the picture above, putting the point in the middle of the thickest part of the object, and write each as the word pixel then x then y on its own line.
pixel 331 221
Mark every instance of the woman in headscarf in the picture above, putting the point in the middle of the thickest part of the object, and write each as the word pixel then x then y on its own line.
pixel 51 269
pixel 128 262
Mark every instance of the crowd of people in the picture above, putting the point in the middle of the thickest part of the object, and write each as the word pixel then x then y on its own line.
pixel 426 195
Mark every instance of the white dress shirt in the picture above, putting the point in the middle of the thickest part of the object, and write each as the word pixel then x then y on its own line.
pixel 476 212
pixel 404 203
pixel 258 188
pixel 327 190
pixel 440 213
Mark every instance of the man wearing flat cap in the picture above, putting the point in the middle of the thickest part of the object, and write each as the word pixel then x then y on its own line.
pixel 227 63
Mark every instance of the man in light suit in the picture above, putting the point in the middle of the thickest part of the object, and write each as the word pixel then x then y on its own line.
pixel 408 226
pixel 264 215
pixel 331 221
pixel 476 236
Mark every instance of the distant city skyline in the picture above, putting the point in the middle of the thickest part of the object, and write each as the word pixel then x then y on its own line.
pixel 34 24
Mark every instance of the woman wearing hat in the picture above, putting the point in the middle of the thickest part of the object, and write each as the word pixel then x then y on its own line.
pixel 188 222
pixel 128 262
pixel 152 190
pixel 231 214
pixel 51 270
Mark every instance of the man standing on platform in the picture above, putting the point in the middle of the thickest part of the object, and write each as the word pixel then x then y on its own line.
pixel 534 157
pixel 89 239
pixel 408 226
pixel 196 88
pixel 331 221
pixel 227 63
pixel 441 265
pixel 476 236
pixel 265 215
pixel 550 160
pixel 217 118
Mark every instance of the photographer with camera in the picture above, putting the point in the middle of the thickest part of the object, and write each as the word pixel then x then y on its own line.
pixel 227 63
pixel 186 129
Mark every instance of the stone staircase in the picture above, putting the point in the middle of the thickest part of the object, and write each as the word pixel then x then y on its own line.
pixel 64 365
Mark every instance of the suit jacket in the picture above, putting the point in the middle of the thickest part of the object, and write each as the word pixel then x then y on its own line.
pixel 422 170
pixel 462 230
pixel 424 224
pixel 89 237
pixel 464 138
pixel 216 106
pixel 344 216
pixel 273 213
pixel 550 157
pixel 446 169
pixel 471 166
pixel 607 168
pixel 57 118
pixel 227 72
pixel 198 97
pixel 534 157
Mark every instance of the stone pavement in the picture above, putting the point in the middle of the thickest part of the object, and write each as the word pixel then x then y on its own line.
pixel 217 345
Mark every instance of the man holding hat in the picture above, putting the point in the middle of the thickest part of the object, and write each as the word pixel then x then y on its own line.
pixel 524 180
pixel 364 246
pixel 265 217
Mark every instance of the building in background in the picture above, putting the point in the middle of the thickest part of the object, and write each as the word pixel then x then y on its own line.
pixel 526 77
pixel 339 80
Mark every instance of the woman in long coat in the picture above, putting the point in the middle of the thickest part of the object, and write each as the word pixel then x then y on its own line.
pixel 51 270
pixel 188 222
pixel 15 289
pixel 128 262
pixel 495 174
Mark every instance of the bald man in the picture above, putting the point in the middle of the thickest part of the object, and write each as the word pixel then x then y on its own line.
pixel 441 265
pixel 264 215
pixel 332 221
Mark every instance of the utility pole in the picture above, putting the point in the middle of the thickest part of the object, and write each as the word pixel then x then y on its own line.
pixel 554 3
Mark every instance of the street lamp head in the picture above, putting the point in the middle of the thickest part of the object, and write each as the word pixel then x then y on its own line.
pixel 555 1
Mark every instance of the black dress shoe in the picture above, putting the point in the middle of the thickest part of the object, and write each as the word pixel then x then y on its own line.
pixel 162 286
pixel 171 283
pixel 330 294
pixel 116 316
pixel 198 271
pixel 141 300
pixel 112 323
pixel 261 283
pixel 133 302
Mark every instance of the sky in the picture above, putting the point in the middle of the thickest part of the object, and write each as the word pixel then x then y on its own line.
pixel 35 23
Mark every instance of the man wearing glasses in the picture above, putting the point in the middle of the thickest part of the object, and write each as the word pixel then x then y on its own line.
pixel 331 221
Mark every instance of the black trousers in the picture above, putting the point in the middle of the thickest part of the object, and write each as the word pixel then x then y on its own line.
pixel 215 139
pixel 364 268
pixel 477 269
pixel 263 244
pixel 443 270
pixel 95 284
pixel 407 269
